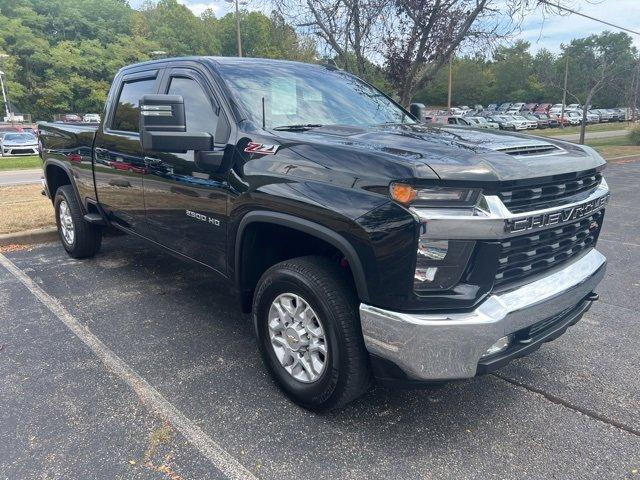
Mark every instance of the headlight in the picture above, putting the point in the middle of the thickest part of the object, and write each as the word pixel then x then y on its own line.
pixel 433 196
pixel 440 263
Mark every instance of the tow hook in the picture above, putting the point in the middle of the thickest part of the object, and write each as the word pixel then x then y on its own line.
pixel 593 296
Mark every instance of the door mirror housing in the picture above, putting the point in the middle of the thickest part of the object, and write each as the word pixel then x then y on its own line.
pixel 163 126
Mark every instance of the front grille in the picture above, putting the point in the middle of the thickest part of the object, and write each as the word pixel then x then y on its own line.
pixel 533 253
pixel 522 199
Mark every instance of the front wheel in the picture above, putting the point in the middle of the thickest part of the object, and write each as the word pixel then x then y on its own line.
pixel 309 334
pixel 79 238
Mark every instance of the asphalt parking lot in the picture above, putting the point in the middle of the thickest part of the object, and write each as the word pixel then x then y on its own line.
pixel 136 365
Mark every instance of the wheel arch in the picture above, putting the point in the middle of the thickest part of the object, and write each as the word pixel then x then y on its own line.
pixel 322 233
pixel 56 174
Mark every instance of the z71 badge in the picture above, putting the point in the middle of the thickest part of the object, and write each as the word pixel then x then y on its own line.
pixel 554 218
pixel 261 148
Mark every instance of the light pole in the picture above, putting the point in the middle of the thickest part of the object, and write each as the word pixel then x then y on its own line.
pixel 4 96
pixel 238 40
pixel 4 92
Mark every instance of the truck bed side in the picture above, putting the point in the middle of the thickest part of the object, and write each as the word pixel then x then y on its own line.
pixel 67 152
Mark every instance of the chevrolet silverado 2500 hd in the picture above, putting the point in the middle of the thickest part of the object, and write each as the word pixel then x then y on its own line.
pixel 366 245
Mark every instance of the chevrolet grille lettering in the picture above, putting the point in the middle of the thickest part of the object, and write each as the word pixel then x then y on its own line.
pixel 532 222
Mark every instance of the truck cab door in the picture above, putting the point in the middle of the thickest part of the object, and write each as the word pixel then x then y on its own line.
pixel 118 157
pixel 185 200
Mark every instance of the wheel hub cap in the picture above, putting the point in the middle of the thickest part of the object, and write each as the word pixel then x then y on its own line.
pixel 66 222
pixel 297 337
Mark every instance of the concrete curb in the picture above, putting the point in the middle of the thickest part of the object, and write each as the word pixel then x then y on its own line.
pixel 29 237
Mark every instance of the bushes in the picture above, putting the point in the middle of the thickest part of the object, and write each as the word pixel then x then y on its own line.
pixel 634 135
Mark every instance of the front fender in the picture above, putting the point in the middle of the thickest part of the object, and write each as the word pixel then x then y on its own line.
pixel 311 228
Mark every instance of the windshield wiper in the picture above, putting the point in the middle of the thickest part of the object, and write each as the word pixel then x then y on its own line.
pixel 298 128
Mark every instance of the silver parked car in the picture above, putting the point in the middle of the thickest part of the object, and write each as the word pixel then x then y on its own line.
pixel 482 122
pixel 18 144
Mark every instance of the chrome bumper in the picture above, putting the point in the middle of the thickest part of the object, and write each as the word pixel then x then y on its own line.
pixel 441 346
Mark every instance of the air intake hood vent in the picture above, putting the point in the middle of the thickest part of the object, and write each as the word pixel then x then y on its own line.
pixel 530 149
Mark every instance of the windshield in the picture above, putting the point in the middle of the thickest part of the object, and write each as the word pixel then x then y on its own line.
pixel 19 137
pixel 300 94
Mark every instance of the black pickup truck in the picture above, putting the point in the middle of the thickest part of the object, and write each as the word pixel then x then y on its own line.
pixel 366 245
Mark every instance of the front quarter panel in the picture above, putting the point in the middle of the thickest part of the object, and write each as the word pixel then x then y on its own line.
pixel 295 186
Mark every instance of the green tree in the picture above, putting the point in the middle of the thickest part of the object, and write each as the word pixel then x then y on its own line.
pixel 176 29
pixel 600 66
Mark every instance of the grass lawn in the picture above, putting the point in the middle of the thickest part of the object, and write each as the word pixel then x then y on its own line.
pixel 614 147
pixel 20 163
pixel 24 208
pixel 599 127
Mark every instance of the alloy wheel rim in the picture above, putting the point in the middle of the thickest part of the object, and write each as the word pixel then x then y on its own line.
pixel 297 337
pixel 66 222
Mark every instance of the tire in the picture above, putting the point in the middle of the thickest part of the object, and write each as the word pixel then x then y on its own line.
pixel 86 239
pixel 324 287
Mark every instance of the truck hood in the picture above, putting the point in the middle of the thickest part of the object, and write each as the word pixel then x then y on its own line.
pixel 453 153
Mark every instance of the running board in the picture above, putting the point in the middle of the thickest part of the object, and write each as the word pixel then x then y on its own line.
pixel 94 219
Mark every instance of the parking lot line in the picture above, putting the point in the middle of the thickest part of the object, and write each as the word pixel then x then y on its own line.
pixel 148 395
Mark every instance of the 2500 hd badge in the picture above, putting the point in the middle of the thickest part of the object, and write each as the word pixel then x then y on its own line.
pixel 557 217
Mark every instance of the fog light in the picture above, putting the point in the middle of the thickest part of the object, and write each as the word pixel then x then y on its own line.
pixel 500 345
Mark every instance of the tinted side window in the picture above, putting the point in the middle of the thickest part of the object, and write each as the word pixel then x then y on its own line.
pixel 127 113
pixel 199 113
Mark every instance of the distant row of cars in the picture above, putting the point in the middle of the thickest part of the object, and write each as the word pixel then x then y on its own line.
pixel 75 118
pixel 521 116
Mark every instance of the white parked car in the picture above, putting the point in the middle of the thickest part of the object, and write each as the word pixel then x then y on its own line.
pixel 482 122
pixel 574 117
pixel 18 143
pixel 520 123
pixel 531 124
pixel 508 122
pixel 91 118
pixel 516 107
pixel 556 108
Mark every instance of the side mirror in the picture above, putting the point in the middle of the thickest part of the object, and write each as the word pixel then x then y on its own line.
pixel 163 126
pixel 417 110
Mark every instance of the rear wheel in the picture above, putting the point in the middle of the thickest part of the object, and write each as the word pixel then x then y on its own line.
pixel 79 238
pixel 305 316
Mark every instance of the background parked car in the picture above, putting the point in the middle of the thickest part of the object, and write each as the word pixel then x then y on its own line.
pixel 18 143
pixel 507 122
pixel 482 122
pixel 91 118
pixel 592 117
pixel 603 114
pixel 574 117
pixel 450 120
pixel 529 124
pixel 543 108
pixel 551 121
pixel 515 108
pixel 540 122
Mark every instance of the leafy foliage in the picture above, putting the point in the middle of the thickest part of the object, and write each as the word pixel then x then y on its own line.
pixel 514 74
pixel 64 53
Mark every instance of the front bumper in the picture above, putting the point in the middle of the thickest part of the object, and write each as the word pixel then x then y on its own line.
pixel 12 150
pixel 446 346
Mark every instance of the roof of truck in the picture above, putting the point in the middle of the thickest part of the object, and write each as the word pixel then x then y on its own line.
pixel 223 61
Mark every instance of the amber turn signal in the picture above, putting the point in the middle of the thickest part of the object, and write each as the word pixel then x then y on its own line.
pixel 403 193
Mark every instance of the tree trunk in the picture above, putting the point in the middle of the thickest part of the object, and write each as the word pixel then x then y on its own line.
pixel 583 127
pixel 587 102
